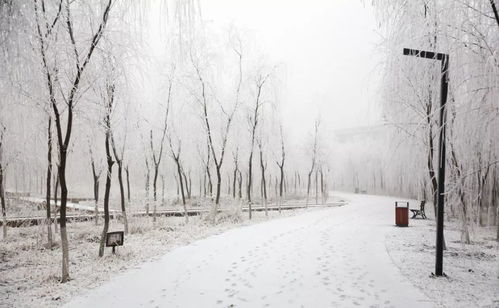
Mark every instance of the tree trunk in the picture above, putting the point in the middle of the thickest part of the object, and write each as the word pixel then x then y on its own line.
pixel 179 171
pixel 122 196
pixel 281 180
pixel 497 222
pixel 277 197
pixel 62 219
pixel 200 186
pixel 208 173
pixel 154 183
pixel 187 188
pixel 96 176
pixel 240 186
pixel 308 186
pixel 234 180
pixel 264 183
pixel 431 169
pixel 189 191
pixel 106 192
pixel 119 160
pixel 249 184
pixel 492 203
pixel 465 234
pixel 494 200
pixel 323 196
pixel 494 9
pixel 219 187
pixel 2 198
pixel 49 178
pixel 55 199
pixel 317 187
pixel 127 184
pixel 177 187
pixel 2 184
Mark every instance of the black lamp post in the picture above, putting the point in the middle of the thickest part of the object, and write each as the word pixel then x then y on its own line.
pixel 444 60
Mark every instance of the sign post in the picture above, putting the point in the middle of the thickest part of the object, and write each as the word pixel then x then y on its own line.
pixel 114 239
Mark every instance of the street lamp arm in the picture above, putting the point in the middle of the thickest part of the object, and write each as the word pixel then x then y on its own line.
pixel 425 54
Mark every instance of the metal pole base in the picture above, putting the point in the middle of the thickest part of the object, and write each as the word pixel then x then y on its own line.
pixel 444 275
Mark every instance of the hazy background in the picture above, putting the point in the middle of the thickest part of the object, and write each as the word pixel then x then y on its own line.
pixel 326 49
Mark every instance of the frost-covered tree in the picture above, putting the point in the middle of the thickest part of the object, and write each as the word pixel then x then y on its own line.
pixel 50 25
pixel 468 31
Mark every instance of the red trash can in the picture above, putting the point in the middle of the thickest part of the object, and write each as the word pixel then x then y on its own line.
pixel 401 213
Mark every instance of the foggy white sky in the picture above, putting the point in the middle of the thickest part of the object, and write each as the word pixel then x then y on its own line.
pixel 328 49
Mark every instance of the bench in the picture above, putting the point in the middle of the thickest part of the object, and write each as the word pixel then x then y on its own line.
pixel 420 212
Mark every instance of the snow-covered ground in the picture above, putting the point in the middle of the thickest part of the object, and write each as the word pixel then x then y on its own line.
pixel 328 257
pixel 472 270
pixel 324 258
pixel 29 269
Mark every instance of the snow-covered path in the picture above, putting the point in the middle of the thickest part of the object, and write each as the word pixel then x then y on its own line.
pixel 325 258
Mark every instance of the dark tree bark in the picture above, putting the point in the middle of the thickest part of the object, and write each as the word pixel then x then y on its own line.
pixel 250 181
pixel 49 178
pixel 263 167
pixel 156 162
pixel 323 184
pixel 119 161
pixel 281 170
pixel 494 198
pixel 240 185
pixel 127 184
pixel 2 200
pixel 186 184
pixel 110 162
pixel 95 176
pixel 494 9
pixel 2 175
pixel 176 158
pixel 208 173
pixel 56 195
pixel 314 158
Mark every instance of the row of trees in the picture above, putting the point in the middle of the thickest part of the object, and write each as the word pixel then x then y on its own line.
pixel 81 98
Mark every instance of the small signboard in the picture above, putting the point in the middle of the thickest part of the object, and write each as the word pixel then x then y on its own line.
pixel 114 239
